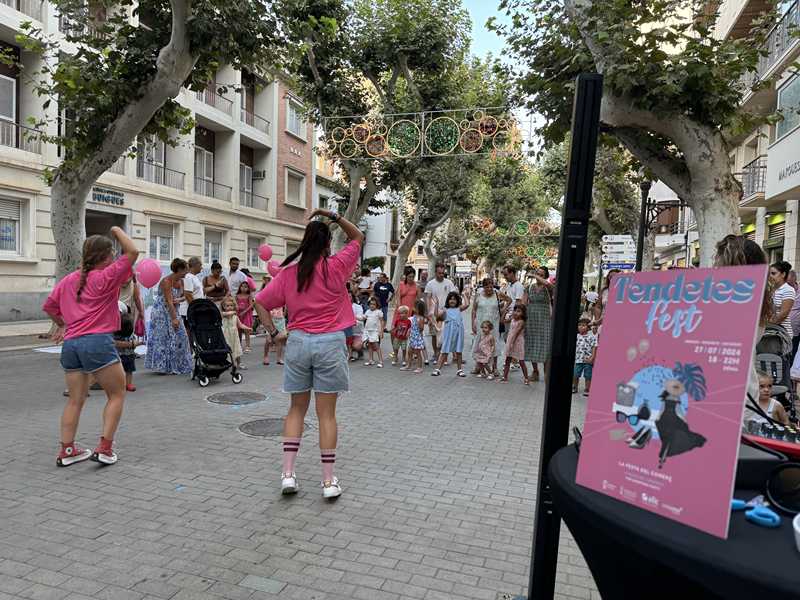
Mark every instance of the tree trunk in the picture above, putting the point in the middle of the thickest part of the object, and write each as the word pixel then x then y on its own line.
pixel 67 218
pixel 649 251
pixel 406 245
pixel 359 200
pixel 717 216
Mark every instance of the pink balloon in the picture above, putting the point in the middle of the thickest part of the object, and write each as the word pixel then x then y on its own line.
pixel 148 272
pixel 265 252
pixel 251 284
pixel 274 267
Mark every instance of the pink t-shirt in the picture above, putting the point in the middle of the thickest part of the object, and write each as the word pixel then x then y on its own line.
pixel 97 311
pixel 324 306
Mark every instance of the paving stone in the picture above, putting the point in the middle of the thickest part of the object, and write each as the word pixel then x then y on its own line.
pixel 262 584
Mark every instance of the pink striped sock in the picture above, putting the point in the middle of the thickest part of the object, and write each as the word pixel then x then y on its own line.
pixel 328 460
pixel 290 448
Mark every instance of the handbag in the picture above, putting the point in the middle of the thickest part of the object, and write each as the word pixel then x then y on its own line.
pixel 502 328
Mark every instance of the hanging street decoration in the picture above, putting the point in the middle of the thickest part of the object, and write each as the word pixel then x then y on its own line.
pixel 461 132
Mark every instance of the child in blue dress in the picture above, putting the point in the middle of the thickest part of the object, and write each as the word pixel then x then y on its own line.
pixel 453 336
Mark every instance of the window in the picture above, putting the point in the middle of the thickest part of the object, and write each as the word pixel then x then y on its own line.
pixel 162 237
pixel 8 98
pixel 420 250
pixel 212 246
pixel 294 119
pixel 323 202
pixel 295 189
pixel 252 251
pixel 789 105
pixel 10 214
pixel 150 165
pixel 246 185
pixel 203 172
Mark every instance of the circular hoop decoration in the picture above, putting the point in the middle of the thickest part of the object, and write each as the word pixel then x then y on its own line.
pixel 361 133
pixel 502 124
pixel 403 138
pixel 464 124
pixel 478 115
pixel 348 148
pixel 376 146
pixel 530 251
pixel 521 228
pixel 330 146
pixel 488 126
pixel 441 135
pixel 502 141
pixel 471 141
pixel 338 134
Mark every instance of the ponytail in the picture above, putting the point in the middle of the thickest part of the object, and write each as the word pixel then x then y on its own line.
pixel 96 249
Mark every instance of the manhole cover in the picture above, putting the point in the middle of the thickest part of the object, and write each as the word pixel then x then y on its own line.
pixel 236 398
pixel 262 427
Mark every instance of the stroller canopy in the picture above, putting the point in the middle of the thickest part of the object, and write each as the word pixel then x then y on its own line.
pixel 203 313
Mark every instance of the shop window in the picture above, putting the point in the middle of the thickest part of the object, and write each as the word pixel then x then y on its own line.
pixel 212 246
pixel 789 105
pixel 295 189
pixel 162 241
pixel 10 216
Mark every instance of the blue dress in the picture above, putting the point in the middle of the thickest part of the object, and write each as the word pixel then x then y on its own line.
pixel 416 341
pixel 453 335
pixel 167 349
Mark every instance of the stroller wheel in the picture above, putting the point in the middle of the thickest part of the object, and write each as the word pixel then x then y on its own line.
pixel 203 381
pixel 237 378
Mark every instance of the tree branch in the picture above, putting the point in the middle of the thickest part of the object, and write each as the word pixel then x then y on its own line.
pixel 669 169
pixel 438 223
pixel 402 61
pixel 376 84
pixel 312 65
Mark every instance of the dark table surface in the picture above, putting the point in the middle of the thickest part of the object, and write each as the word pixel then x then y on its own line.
pixel 633 553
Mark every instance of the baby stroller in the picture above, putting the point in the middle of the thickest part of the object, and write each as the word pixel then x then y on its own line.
pixel 212 355
pixel 774 356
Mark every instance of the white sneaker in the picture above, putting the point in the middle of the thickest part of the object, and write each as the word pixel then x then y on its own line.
pixel 289 483
pixel 333 490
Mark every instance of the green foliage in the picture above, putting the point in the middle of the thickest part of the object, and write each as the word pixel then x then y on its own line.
pixel 660 53
pixel 111 59
pixel 373 262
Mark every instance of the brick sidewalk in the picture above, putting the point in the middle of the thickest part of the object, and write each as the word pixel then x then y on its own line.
pixel 438 477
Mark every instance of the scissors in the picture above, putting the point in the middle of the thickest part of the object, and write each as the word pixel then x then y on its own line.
pixel 756 512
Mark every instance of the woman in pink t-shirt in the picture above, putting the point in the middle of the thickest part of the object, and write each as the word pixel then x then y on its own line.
pixel 84 306
pixel 409 292
pixel 314 293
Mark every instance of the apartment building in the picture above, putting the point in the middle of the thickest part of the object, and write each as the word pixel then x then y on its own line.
pixel 242 178
pixel 768 158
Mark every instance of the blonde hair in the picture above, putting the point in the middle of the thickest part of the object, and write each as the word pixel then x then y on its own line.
pixel 227 299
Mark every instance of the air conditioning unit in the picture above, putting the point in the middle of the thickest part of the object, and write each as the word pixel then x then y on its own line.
pixel 259 175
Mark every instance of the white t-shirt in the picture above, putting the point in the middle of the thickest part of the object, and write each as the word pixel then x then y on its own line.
pixel 358 313
pixel 440 289
pixel 373 320
pixel 785 292
pixel 364 283
pixel 592 297
pixel 515 291
pixel 193 285
pixel 236 279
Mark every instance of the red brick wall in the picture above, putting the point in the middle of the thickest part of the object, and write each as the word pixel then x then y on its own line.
pixel 295 153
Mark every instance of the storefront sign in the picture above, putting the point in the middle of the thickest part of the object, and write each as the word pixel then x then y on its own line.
pixel 107 196
pixel 783 167
pixel 665 411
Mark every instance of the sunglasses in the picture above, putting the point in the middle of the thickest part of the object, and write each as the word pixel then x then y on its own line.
pixel 642 415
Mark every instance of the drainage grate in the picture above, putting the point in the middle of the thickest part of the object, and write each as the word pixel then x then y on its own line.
pixel 504 596
pixel 236 398
pixel 271 427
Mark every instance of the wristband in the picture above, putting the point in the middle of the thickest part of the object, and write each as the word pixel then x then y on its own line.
pixel 334 217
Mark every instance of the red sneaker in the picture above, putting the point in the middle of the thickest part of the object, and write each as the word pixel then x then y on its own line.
pixel 104 453
pixel 71 455
pixel 130 387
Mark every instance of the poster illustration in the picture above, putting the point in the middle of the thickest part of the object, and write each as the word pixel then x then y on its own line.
pixel 664 415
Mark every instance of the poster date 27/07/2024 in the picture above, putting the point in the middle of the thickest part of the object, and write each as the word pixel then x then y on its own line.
pixel 716 353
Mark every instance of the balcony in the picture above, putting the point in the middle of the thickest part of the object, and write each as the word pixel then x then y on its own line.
pixel 32 8
pixel 118 167
pixel 754 179
pixel 779 42
pixel 155 173
pixel 212 98
pixel 251 200
pixel 254 120
pixel 212 189
pixel 13 135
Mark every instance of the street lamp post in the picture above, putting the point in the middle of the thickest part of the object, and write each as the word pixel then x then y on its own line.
pixel 644 187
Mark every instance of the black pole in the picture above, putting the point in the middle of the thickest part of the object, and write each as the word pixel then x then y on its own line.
pixel 571 255
pixel 644 187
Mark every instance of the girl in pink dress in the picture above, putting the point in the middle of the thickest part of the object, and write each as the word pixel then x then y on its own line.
pixel 484 351
pixel 515 343
pixel 244 308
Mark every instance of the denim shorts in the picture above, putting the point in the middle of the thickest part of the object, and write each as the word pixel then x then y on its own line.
pixel 89 353
pixel 316 361
pixel 584 369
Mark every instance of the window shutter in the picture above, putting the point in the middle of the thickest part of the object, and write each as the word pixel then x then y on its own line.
pixel 9 209
pixel 8 98
pixel 777 230
pixel 161 229
pixel 209 165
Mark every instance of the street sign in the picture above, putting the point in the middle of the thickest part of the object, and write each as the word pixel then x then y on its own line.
pixel 622 257
pixel 617 238
pixel 623 266
pixel 619 247
pixel 463 268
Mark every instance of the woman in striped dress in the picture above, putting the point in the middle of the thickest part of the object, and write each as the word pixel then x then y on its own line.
pixel 538 327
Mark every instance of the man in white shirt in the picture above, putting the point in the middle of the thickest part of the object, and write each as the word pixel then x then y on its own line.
pixel 438 288
pixel 513 289
pixel 192 290
pixel 235 276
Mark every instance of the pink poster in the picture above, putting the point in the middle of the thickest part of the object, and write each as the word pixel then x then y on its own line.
pixel 664 415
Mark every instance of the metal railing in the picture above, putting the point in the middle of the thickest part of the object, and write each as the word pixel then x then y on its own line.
pixel 212 98
pixel 14 135
pixel 781 38
pixel 155 173
pixel 212 189
pixel 254 120
pixel 118 167
pixel 32 8
pixel 754 177
pixel 251 200
pixel 670 228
